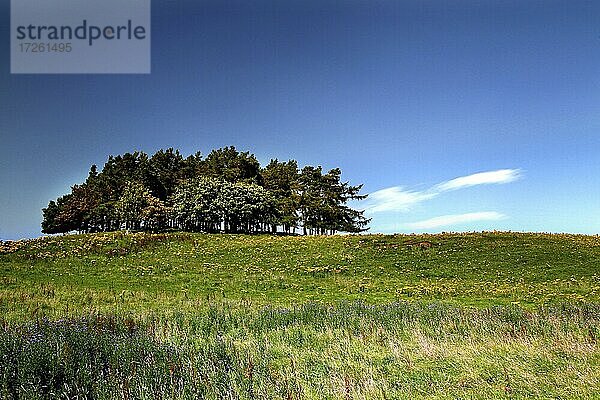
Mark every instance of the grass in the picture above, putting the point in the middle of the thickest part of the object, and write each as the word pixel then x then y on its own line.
pixel 185 316
pixel 352 350
pixel 139 272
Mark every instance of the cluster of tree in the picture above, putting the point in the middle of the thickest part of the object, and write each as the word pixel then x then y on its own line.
pixel 228 191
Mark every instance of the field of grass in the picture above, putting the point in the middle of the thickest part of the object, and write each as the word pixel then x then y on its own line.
pixel 127 316
pixel 140 272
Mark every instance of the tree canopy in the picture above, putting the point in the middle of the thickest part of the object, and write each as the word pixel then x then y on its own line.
pixel 228 191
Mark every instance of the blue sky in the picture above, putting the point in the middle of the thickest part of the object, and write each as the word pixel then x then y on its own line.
pixel 404 96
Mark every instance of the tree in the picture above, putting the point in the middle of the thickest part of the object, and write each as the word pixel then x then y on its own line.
pixel 76 209
pixel 309 192
pixel 246 207
pixel 226 191
pixel 137 208
pixel 119 170
pixel 104 218
pixel 323 202
pixel 195 205
pixel 281 180
pixel 155 214
pixel 232 166
pixel 338 193
pixel 192 167
pixel 165 167
pixel 209 205
pixel 50 221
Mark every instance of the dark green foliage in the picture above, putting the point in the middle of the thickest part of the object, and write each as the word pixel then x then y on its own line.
pixel 228 191
pixel 232 166
pixel 166 167
pixel 323 199
pixel 50 221
pixel 281 179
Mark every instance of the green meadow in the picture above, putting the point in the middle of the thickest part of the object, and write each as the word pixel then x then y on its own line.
pixel 186 316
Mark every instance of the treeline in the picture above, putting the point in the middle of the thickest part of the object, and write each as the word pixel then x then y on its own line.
pixel 228 191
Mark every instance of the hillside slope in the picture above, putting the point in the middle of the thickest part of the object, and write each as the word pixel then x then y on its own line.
pixel 265 317
pixel 143 272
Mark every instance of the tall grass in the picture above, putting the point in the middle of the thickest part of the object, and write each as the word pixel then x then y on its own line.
pixel 191 316
pixel 346 351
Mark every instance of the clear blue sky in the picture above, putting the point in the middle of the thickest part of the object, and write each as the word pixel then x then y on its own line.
pixel 404 96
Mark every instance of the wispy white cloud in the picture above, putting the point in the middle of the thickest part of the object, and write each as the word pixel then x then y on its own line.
pixel 397 198
pixel 454 219
pixel 483 178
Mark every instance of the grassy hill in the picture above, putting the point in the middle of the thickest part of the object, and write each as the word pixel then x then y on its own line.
pixel 127 316
pixel 142 272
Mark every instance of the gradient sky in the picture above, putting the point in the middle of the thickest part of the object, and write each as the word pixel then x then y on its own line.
pixel 404 96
